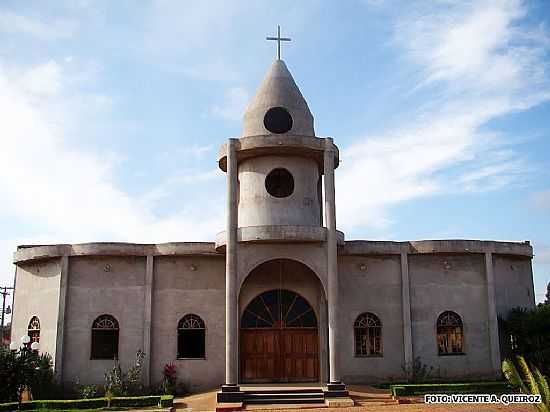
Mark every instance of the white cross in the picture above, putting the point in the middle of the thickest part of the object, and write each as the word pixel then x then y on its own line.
pixel 279 39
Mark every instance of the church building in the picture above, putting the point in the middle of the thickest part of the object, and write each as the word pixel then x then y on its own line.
pixel 280 296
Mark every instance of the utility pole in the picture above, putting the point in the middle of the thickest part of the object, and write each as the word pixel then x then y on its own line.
pixel 7 311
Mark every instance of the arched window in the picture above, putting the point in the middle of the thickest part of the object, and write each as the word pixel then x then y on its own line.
pixel 34 329
pixel 450 335
pixel 191 337
pixel 368 335
pixel 105 337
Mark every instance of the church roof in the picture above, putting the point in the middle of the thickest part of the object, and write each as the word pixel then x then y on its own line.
pixel 278 89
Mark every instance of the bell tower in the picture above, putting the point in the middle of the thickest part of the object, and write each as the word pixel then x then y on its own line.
pixel 276 173
pixel 279 187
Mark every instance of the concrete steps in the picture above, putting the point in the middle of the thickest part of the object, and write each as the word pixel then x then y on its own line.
pixel 283 396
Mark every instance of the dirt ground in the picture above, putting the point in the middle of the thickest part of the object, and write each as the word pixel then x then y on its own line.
pixel 422 407
pixel 206 401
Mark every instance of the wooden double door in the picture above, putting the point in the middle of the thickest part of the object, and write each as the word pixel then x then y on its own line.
pixel 279 355
pixel 279 339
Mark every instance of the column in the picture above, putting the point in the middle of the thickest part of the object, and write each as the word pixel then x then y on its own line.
pixel 231 311
pixel 63 285
pixel 147 315
pixel 406 305
pixel 332 263
pixel 492 314
pixel 323 340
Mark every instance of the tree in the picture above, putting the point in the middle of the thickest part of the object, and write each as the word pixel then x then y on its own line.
pixel 17 372
pixel 528 335
pixel 547 301
pixel 536 382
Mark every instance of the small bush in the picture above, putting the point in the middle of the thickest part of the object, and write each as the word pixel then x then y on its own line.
pixel 166 401
pixel 118 383
pixel 169 380
pixel 88 391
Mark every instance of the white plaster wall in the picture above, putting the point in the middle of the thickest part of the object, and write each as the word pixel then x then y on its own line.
pixel 37 294
pixel 462 289
pixel 378 290
pixel 178 290
pixel 258 208
pixel 92 291
pixel 513 283
pixel 313 255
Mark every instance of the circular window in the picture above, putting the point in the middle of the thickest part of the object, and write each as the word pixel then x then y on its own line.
pixel 278 120
pixel 279 183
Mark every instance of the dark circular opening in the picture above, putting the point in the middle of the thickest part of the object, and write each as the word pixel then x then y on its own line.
pixel 279 183
pixel 278 120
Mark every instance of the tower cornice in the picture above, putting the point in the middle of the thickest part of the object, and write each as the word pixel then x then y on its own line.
pixel 274 145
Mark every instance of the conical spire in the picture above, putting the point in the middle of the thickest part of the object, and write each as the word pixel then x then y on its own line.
pixel 278 90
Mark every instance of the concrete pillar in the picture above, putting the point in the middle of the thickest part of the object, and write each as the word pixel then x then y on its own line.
pixel 59 341
pixel 231 309
pixel 492 314
pixel 147 314
pixel 323 340
pixel 332 263
pixel 406 305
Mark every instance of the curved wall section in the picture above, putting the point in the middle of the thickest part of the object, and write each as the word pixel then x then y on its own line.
pixel 259 208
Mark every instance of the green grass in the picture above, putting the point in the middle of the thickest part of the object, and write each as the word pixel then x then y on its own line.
pixel 464 387
pixel 94 410
pixel 96 404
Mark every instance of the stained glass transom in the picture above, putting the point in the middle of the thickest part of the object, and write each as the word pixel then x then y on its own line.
pixel 105 322
pixel 191 322
pixel 279 308
pixel 34 324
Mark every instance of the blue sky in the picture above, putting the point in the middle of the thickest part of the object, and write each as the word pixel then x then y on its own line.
pixel 111 115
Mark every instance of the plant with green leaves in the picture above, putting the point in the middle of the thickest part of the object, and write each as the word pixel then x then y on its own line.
pixel 528 332
pixel 119 383
pixel 19 371
pixel 114 380
pixel 43 384
pixel 532 382
pixel 417 371
pixel 169 381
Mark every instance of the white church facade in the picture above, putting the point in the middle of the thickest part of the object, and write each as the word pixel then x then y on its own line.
pixel 281 295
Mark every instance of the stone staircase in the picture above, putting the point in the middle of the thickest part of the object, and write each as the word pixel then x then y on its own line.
pixel 290 396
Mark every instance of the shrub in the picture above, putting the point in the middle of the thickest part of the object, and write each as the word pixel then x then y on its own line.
pixel 164 401
pixel 25 369
pixel 169 379
pixel 118 383
pixel 43 384
pixel 529 336
pixel 417 371
pixel 88 391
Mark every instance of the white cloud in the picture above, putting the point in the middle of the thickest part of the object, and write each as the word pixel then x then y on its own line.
pixel 234 104
pixel 44 79
pixel 67 194
pixel 481 64
pixel 16 23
